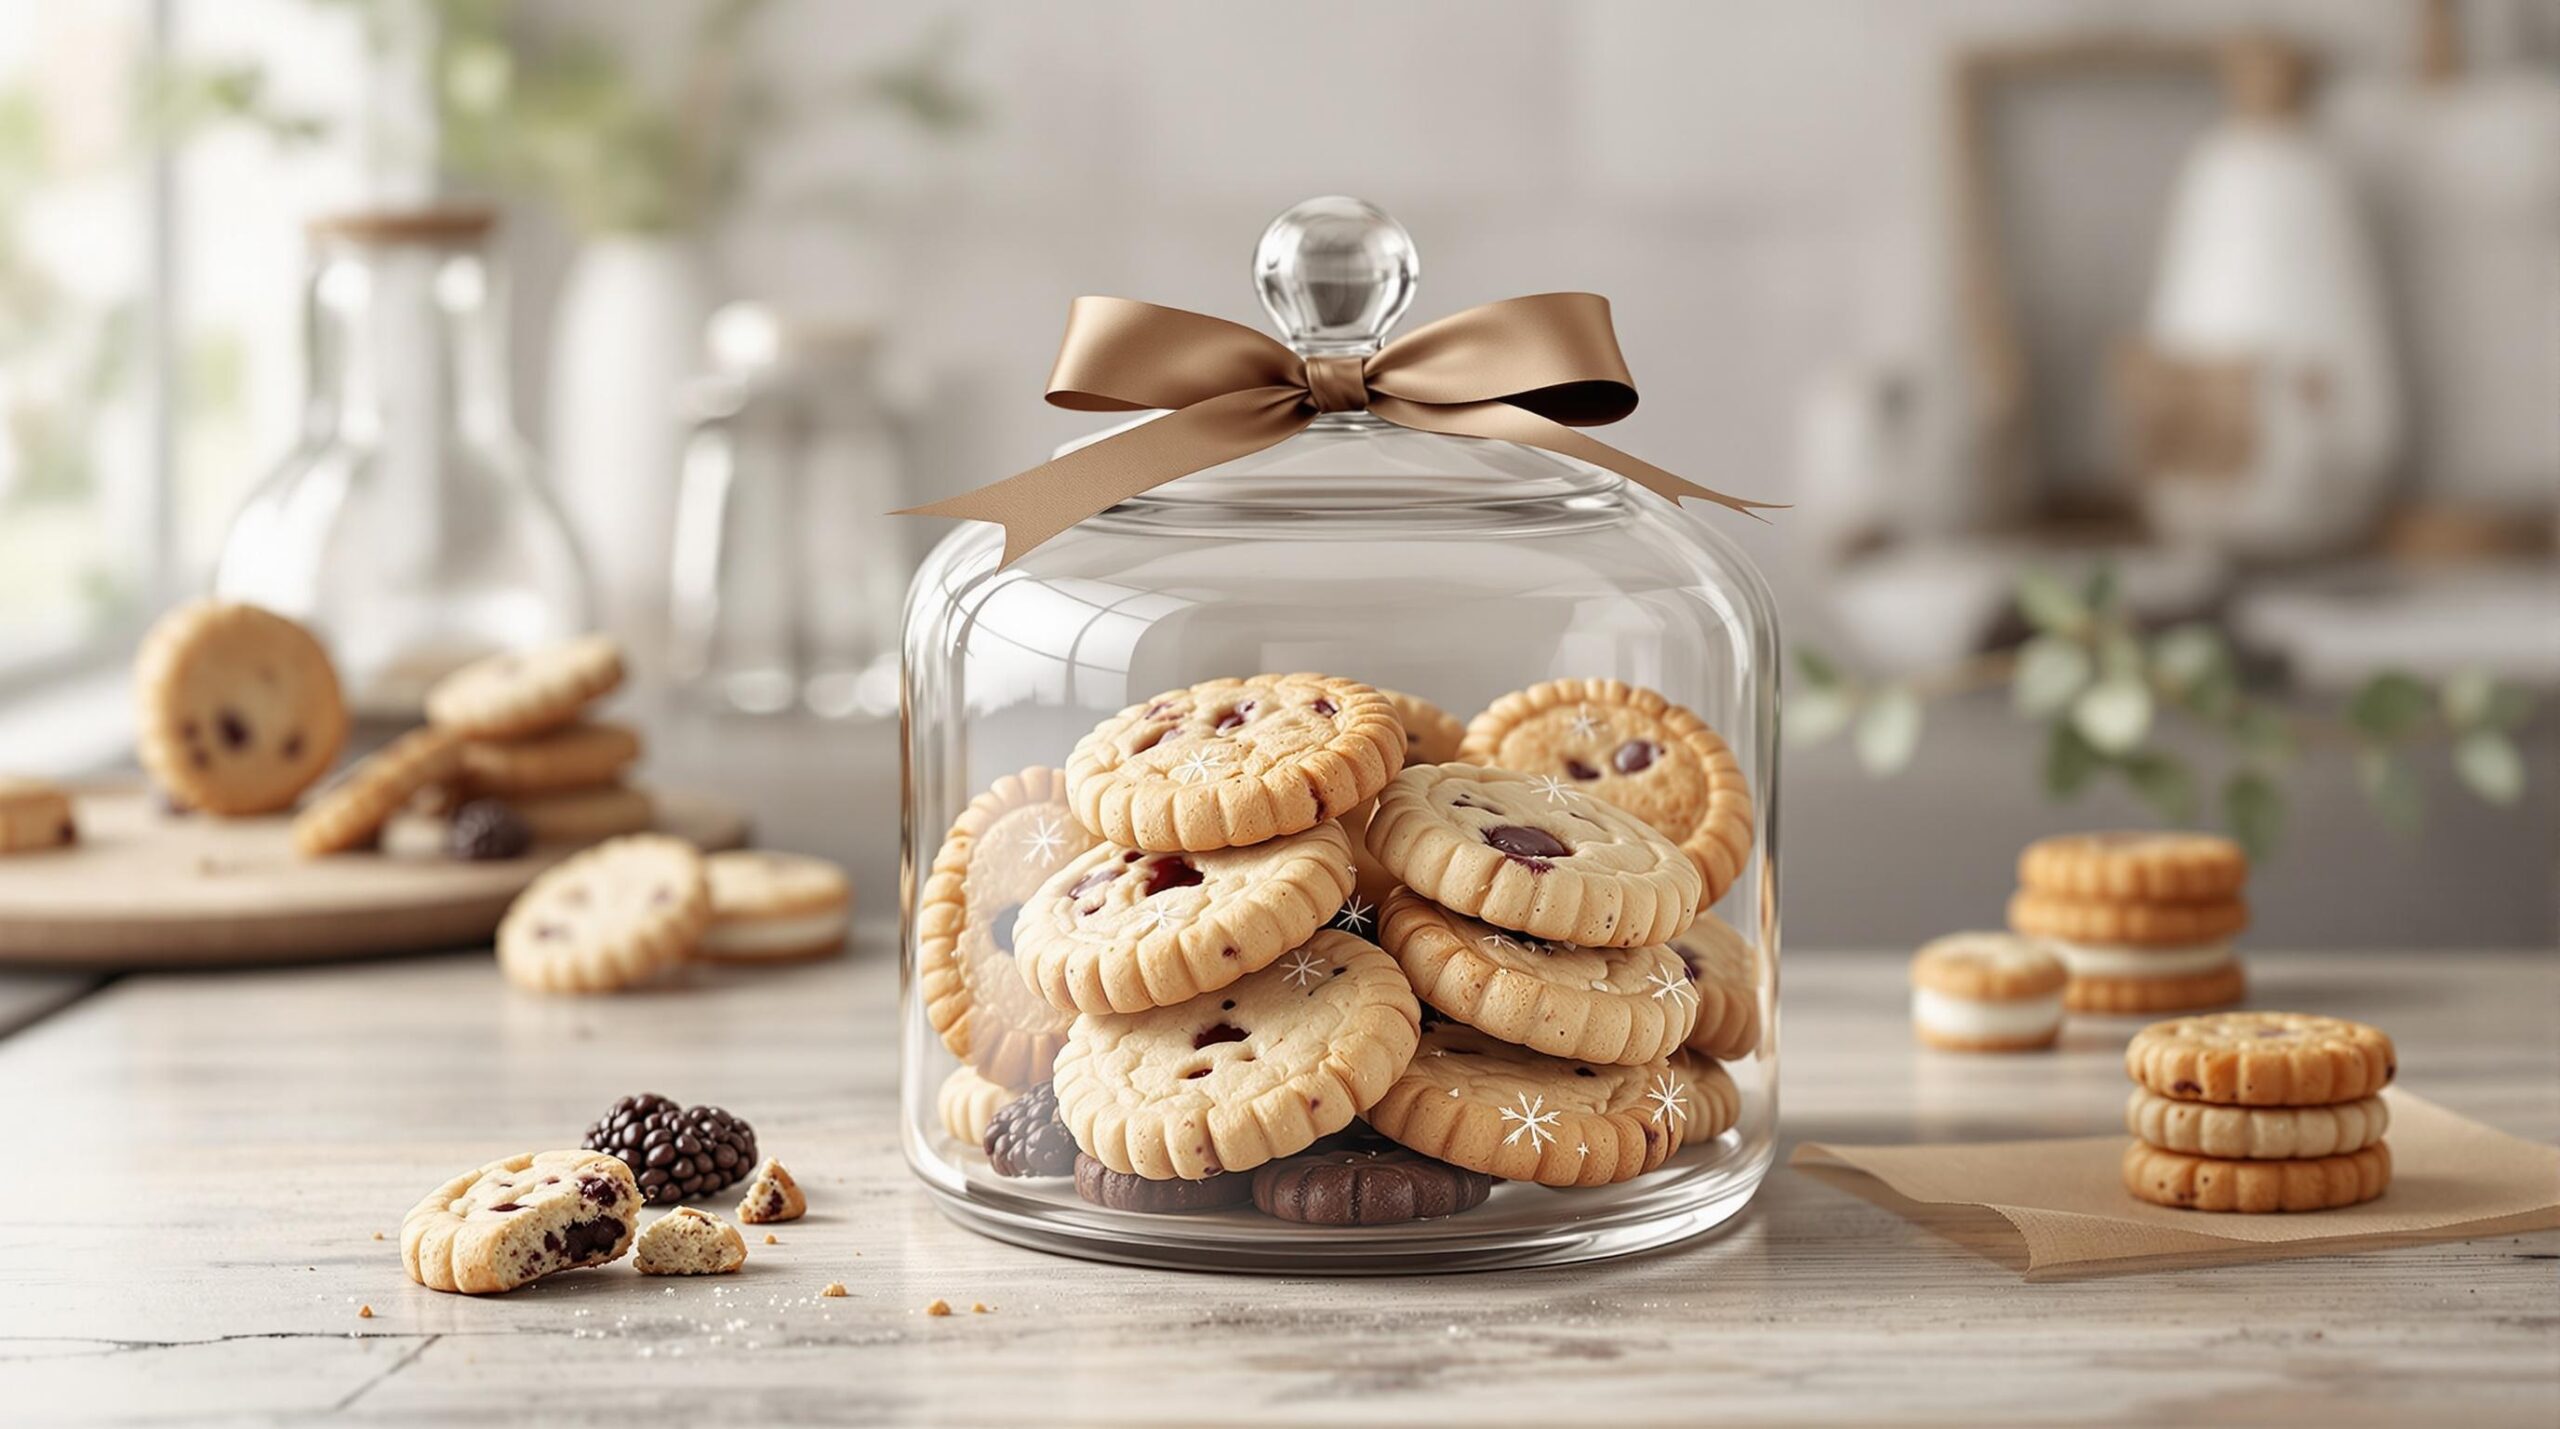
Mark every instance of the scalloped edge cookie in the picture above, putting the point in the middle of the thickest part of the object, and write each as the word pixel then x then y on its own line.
pixel 2262 1059
pixel 2205 1183
pixel 1630 1006
pixel 1213 799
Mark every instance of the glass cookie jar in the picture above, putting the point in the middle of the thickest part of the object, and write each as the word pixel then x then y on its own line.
pixel 1614 656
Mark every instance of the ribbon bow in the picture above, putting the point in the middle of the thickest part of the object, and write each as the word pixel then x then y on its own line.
pixel 1527 370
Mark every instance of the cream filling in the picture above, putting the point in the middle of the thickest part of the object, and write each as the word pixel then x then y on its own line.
pixel 1964 1017
pixel 776 935
pixel 2117 960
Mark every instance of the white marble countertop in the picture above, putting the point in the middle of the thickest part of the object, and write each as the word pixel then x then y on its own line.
pixel 204 1163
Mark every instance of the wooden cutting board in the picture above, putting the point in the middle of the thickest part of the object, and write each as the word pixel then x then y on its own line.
pixel 146 888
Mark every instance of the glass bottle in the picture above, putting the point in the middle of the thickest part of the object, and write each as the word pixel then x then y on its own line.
pixel 408 525
pixel 1452 568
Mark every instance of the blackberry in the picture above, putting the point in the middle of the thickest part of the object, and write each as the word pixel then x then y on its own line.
pixel 677 1153
pixel 1027 1139
pixel 487 829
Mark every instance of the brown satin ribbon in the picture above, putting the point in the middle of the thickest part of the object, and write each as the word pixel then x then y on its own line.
pixel 1527 370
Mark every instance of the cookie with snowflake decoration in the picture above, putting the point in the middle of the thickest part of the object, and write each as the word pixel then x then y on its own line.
pixel 1254 1071
pixel 1627 1005
pixel 1488 1105
pixel 1712 1101
pixel 2262 1059
pixel 1120 930
pixel 1533 855
pixel 1635 749
pixel 1724 969
pixel 999 851
pixel 1233 762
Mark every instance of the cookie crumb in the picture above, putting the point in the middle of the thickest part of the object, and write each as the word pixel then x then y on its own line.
pixel 980 1308
pixel 938 1308
pixel 364 1312
pixel 834 1290
pixel 771 1239
pixel 377 1235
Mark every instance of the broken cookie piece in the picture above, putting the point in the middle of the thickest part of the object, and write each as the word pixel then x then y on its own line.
pixel 685 1241
pixel 772 1196
pixel 517 1220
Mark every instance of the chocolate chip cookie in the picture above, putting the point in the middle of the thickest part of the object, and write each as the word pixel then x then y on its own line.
pixel 240 709
pixel 1626 1005
pixel 517 1220
pixel 1233 762
pixel 1485 1104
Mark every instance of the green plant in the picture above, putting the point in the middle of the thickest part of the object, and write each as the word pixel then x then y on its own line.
pixel 2101 687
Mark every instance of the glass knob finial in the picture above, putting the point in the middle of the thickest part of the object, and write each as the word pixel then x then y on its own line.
pixel 1335 274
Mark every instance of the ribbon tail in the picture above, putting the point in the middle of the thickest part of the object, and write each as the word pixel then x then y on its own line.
pixel 1037 504
pixel 1501 421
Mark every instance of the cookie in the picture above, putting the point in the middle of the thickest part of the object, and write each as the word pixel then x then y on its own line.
pixel 2262 1059
pixel 1377 1184
pixel 1234 1078
pixel 2200 1183
pixel 999 851
pixel 772 1196
pixel 1635 749
pixel 520 1219
pixel 2185 992
pixel 1121 1191
pixel 1724 971
pixel 1625 1005
pixel 34 815
pixel 968 1103
pixel 1986 992
pixel 350 813
pixel 2079 920
pixel 1431 734
pixel 240 709
pixel 2135 868
pixel 2256 1133
pixel 586 815
pixel 579 756
pixel 1711 1103
pixel 612 916
pixel 1120 930
pixel 1230 763
pixel 774 907
pixel 1474 1101
pixel 685 1241
pixel 1533 856
pixel 527 692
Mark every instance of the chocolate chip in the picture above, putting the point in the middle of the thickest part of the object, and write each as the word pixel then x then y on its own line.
pixel 292 746
pixel 1170 872
pixel 233 729
pixel 1327 707
pixel 509 1206
pixel 2183 1085
pixel 1527 846
pixel 595 1238
pixel 1580 770
pixel 1635 756
pixel 1216 1033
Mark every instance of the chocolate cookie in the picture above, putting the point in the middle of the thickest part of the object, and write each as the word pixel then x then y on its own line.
pixel 1366 1187
pixel 1122 1192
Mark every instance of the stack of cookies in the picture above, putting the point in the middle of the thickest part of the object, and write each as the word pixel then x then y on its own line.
pixel 1159 970
pixel 2142 922
pixel 2258 1111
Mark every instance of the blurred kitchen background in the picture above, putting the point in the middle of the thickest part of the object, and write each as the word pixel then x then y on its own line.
pixel 2169 390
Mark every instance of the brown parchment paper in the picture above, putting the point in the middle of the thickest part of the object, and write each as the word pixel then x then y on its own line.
pixel 2452 1179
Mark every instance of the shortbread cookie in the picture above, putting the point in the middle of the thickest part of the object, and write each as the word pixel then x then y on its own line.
pixel 1533 856
pixel 1229 763
pixel 580 756
pixel 1256 1070
pixel 2118 996
pixel 1986 992
pixel 1635 749
pixel 2079 920
pixel 1431 734
pixel 1001 849
pixel 607 918
pixel 968 1103
pixel 2136 868
pixel 527 692
pixel 775 907
pixel 2200 1183
pixel 1120 930
pixel 34 815
pixel 520 1219
pixel 685 1241
pixel 772 1196
pixel 2256 1133
pixel 1490 1106
pixel 1372 1183
pixel 351 813
pixel 2262 1059
pixel 239 708
pixel 1625 1005
pixel 1710 1101
pixel 1724 970
pixel 1121 1191
pixel 586 815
